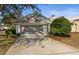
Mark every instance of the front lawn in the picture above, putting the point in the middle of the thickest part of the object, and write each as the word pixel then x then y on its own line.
pixel 5 44
pixel 72 41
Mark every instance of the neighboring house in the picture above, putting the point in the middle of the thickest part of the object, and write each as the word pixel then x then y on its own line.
pixel 33 26
pixel 3 28
pixel 2 31
pixel 75 26
pixel 75 23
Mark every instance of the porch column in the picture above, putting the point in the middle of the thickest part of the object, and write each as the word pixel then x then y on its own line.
pixel 24 31
pixel 18 29
pixel 48 28
pixel 45 30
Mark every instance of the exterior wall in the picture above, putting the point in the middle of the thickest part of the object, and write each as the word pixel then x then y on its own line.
pixel 75 26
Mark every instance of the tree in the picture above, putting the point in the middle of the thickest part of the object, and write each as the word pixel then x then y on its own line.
pixel 15 10
pixel 60 26
pixel 35 13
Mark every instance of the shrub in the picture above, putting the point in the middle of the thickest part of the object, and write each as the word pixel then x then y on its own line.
pixel 13 31
pixel 7 32
pixel 60 26
pixel 10 32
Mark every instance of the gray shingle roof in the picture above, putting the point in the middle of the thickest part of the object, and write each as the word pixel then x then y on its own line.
pixel 41 20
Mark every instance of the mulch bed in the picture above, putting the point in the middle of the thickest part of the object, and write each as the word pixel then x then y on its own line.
pixel 72 41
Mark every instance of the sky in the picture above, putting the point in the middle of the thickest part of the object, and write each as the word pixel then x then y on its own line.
pixel 67 10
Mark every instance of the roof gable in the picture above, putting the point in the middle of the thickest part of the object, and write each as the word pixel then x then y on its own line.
pixel 33 20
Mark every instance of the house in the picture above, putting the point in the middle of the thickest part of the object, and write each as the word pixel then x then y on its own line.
pixel 75 26
pixel 33 26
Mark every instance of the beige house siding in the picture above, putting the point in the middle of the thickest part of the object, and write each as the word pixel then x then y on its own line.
pixel 75 26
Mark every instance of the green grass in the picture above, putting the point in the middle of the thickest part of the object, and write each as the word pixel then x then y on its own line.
pixel 4 42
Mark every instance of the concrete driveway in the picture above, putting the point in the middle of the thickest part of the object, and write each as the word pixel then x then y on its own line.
pixel 51 46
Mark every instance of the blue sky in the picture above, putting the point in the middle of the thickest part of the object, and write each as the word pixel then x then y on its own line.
pixel 67 10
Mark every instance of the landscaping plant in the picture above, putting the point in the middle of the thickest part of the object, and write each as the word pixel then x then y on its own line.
pixel 60 26
pixel 10 32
